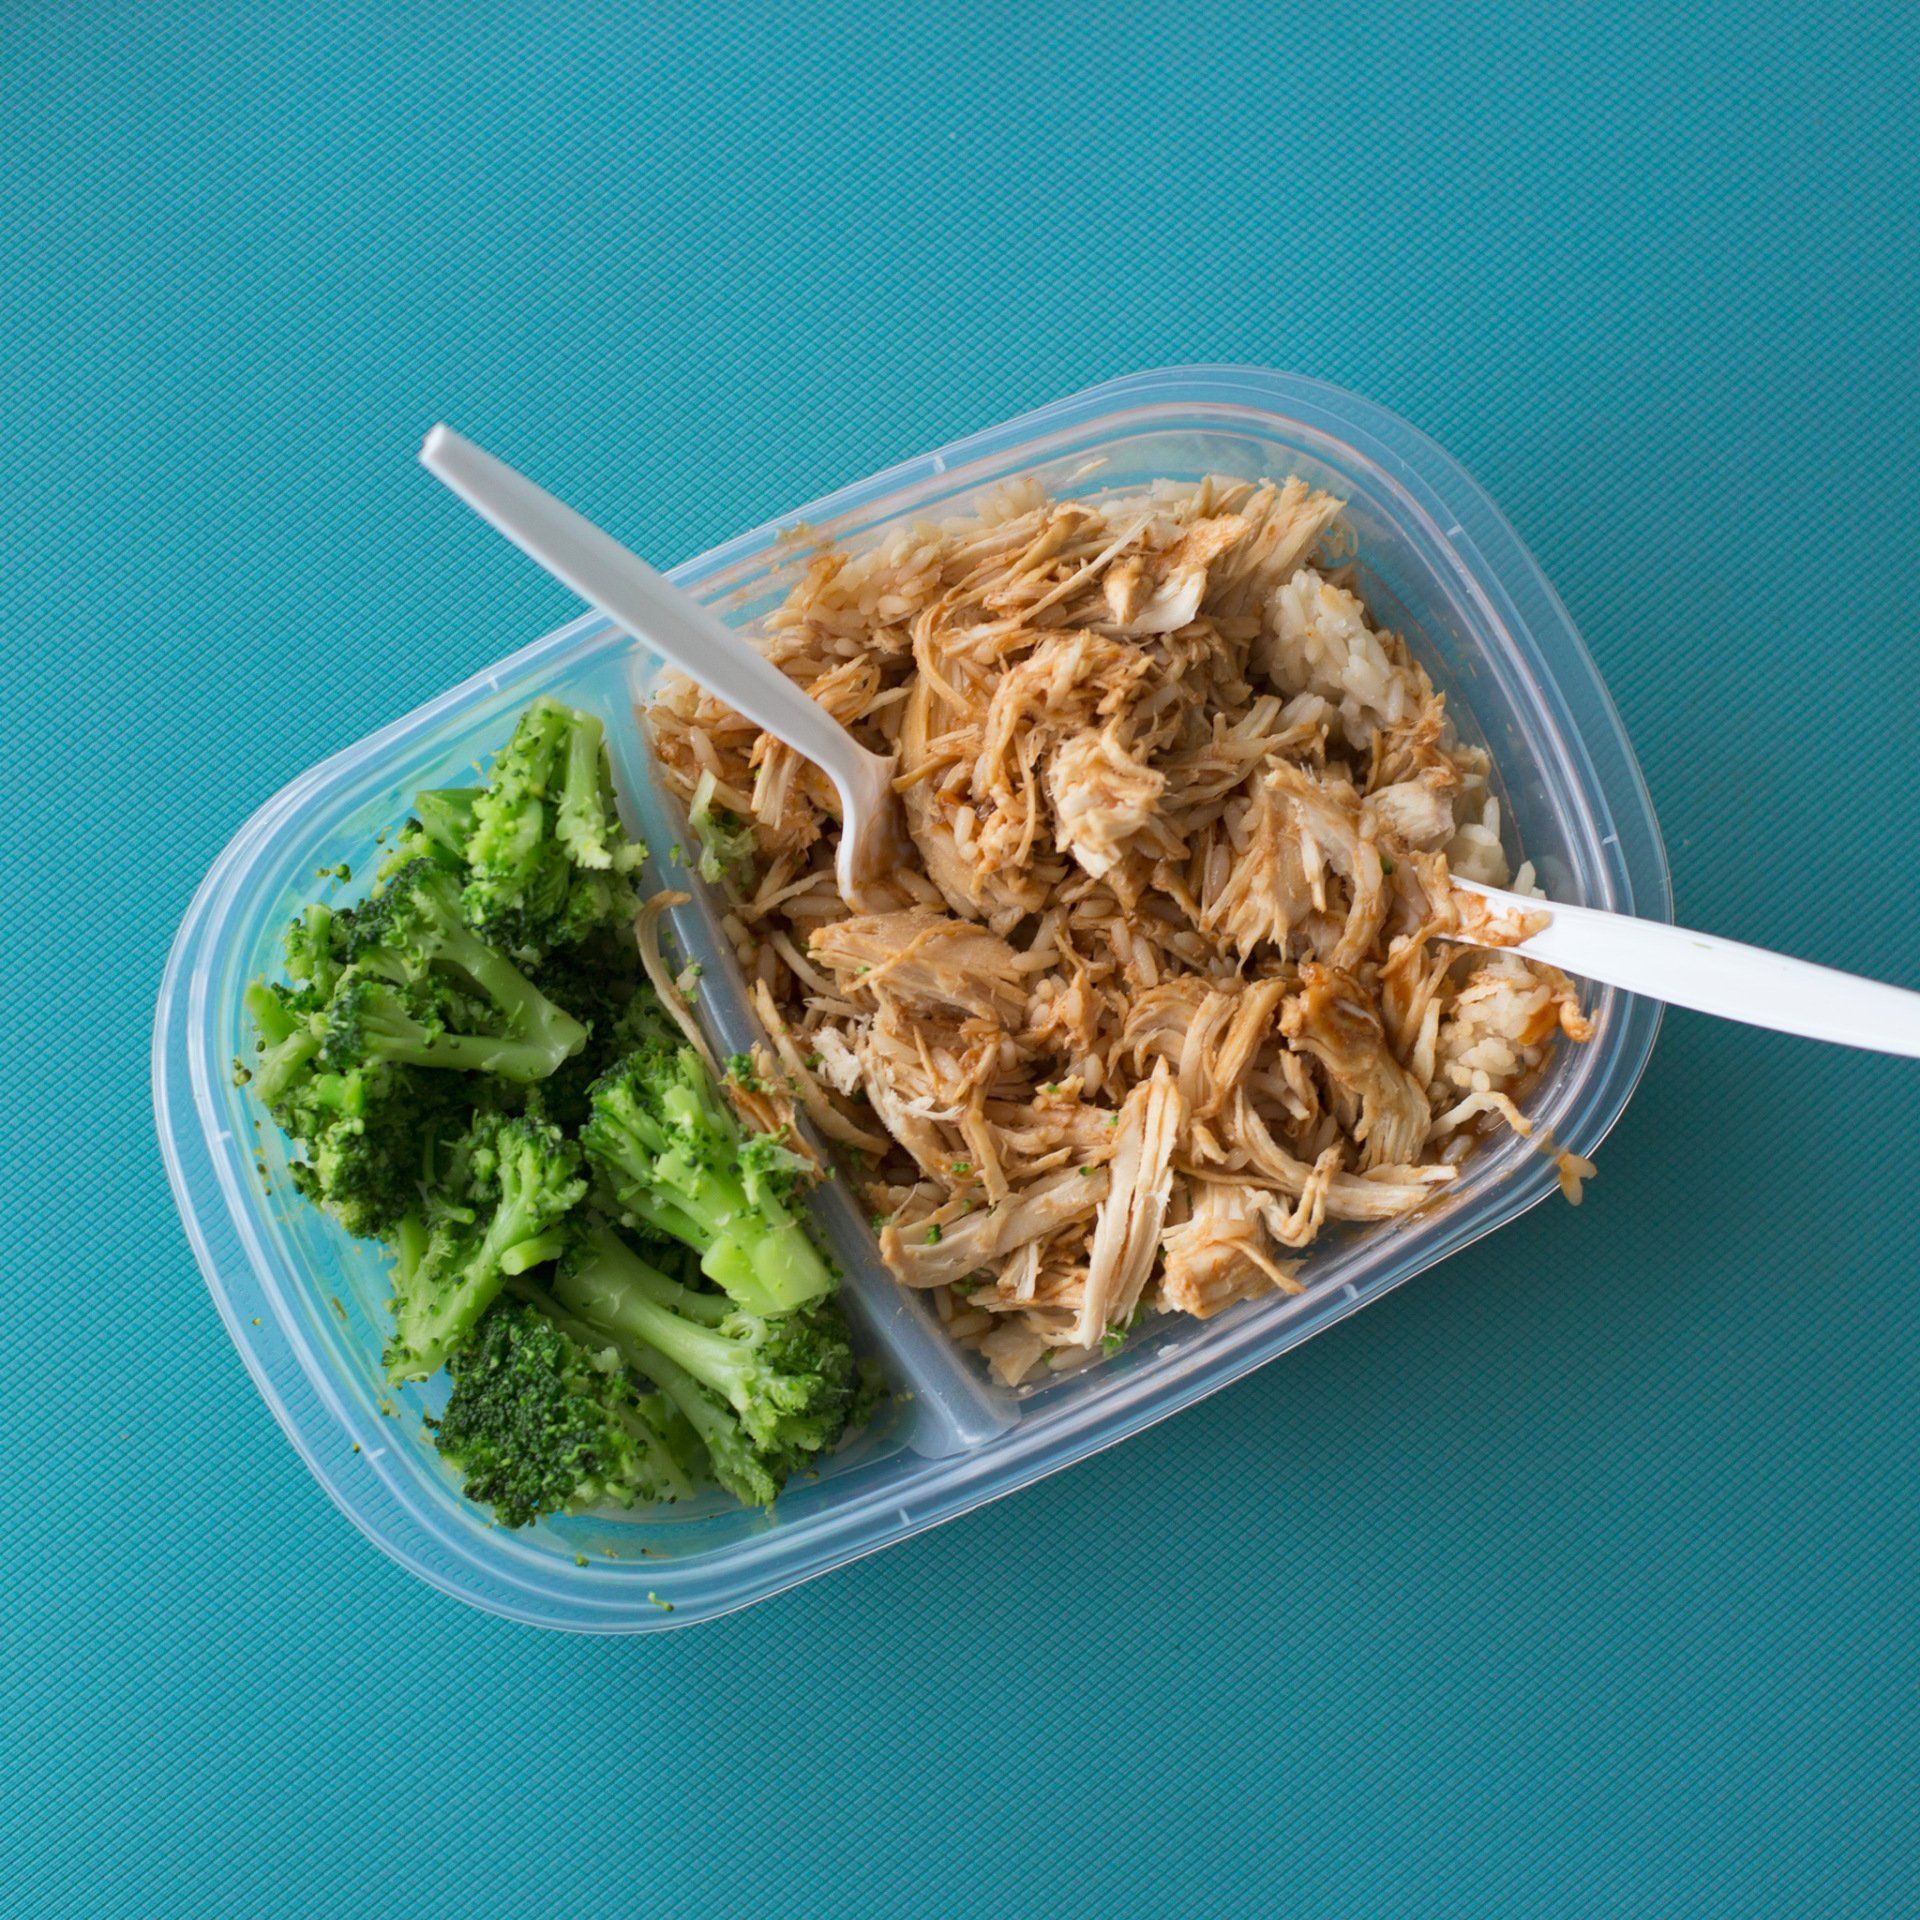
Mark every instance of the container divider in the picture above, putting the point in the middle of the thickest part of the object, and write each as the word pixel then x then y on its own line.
pixel 954 1406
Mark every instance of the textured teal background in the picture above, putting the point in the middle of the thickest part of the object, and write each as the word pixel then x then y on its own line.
pixel 1581 1577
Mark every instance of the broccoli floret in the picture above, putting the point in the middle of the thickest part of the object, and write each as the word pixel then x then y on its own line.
pixel 365 1127
pixel 444 817
pixel 420 1024
pixel 496 1212
pixel 587 818
pixel 512 826
pixel 442 821
pixel 598 983
pixel 434 1050
pixel 316 947
pixel 548 858
pixel 771 1171
pixel 414 927
pixel 727 845
pixel 370 1139
pixel 289 1031
pixel 540 1421
pixel 788 1377
pixel 667 1150
pixel 765 1392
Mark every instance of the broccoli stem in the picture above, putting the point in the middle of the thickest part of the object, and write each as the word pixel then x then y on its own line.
pixel 392 1033
pixel 528 1013
pixel 580 818
pixel 523 1231
pixel 446 816
pixel 271 1020
pixel 735 1464
pixel 757 1253
pixel 602 1291
pixel 535 1252
pixel 290 1043
pixel 281 1065
pixel 341 1093
pixel 409 1245
pixel 312 955
pixel 617 1288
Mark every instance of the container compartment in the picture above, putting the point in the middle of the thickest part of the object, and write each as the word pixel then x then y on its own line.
pixel 304 1303
pixel 952 1404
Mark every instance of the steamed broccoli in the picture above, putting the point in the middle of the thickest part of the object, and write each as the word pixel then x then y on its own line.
pixel 727 844
pixel 287 1032
pixel 453 1058
pixel 587 818
pixel 365 1127
pixel 287 1036
pixel 370 1142
pixel 421 1023
pixel 376 990
pixel 548 858
pixel 670 1155
pixel 544 1418
pixel 412 927
pixel 316 947
pixel 497 1212
pixel 765 1392
pixel 442 821
pixel 595 981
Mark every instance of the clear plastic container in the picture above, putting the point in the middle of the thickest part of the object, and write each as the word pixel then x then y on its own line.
pixel 304 1303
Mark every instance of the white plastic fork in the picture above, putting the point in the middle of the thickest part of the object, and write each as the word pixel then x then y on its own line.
pixel 694 639
pixel 1711 975
pixel 1682 968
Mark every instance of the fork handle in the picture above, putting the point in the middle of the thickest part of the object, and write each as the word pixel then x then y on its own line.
pixel 636 598
pixel 1724 977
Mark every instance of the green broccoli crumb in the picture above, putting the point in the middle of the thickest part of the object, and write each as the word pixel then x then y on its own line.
pixel 727 845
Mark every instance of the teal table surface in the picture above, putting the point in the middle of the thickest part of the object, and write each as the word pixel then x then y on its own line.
pixel 1579 1577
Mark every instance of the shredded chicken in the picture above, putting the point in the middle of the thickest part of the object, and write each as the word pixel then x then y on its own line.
pixel 1184 973
pixel 1221 1252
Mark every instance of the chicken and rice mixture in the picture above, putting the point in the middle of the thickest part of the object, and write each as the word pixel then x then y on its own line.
pixel 1166 991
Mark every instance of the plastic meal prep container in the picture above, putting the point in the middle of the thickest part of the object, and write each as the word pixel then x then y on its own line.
pixel 305 1304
